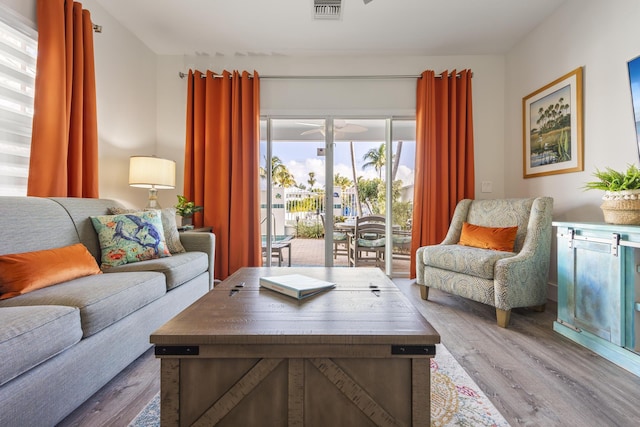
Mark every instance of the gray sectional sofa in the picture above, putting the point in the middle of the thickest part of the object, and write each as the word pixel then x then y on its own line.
pixel 61 344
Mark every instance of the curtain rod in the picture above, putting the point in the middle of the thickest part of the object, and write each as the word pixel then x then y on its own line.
pixel 372 77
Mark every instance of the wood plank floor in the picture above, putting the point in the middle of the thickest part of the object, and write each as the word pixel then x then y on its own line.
pixel 534 376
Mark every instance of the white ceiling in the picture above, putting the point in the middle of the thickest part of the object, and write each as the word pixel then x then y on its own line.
pixel 286 27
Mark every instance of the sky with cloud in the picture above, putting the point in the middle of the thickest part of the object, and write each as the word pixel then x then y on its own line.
pixel 301 158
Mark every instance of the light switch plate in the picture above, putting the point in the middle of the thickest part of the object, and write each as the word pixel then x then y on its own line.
pixel 487 187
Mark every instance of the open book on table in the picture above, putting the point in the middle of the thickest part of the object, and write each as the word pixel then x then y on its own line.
pixel 296 285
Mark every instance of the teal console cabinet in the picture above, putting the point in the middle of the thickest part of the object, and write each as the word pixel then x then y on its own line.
pixel 599 289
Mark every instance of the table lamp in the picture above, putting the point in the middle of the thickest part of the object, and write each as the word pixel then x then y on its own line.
pixel 153 173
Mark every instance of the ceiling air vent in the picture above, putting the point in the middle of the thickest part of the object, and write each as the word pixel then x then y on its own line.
pixel 327 9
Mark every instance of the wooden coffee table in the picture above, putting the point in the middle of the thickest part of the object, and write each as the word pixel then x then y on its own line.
pixel 356 355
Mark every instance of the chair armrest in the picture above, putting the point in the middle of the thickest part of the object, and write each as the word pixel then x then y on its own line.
pixel 455 228
pixel 521 281
pixel 202 242
pixel 529 269
pixel 419 266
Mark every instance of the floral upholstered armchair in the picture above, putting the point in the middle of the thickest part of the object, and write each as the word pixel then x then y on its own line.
pixel 504 279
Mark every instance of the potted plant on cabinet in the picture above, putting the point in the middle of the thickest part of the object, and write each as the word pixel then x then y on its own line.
pixel 621 200
pixel 186 209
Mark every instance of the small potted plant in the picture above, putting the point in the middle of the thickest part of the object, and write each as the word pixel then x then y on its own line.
pixel 186 209
pixel 621 200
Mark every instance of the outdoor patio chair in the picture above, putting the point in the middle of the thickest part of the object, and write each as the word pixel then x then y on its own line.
pixel 401 244
pixel 340 242
pixel 276 249
pixel 367 242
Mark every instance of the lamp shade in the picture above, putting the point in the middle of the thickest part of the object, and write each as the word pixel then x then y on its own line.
pixel 152 172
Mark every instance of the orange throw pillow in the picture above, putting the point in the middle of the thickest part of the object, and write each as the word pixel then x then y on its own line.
pixel 26 272
pixel 496 238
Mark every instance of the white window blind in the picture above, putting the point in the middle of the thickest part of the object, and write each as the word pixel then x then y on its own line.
pixel 18 48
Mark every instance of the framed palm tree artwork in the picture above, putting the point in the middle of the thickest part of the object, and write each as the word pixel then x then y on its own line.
pixel 552 127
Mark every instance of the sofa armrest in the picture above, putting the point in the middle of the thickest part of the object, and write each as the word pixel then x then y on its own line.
pixel 202 242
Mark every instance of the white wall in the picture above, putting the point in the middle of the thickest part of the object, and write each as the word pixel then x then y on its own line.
pixel 126 94
pixel 141 99
pixel 600 36
pixel 126 100
pixel 26 8
pixel 345 97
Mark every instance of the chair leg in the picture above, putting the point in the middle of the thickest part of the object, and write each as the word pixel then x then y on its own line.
pixel 424 292
pixel 503 317
pixel 539 308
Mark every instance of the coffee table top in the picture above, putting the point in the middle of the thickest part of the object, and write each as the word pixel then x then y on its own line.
pixel 365 307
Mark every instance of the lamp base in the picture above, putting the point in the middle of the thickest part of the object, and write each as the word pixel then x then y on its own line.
pixel 153 199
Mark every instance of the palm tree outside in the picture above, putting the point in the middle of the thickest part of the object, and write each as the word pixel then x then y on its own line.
pixel 280 174
pixel 375 158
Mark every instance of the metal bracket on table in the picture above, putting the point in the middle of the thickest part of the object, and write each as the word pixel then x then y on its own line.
pixel 414 350
pixel 177 350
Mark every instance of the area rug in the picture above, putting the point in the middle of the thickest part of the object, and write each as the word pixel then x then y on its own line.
pixel 455 399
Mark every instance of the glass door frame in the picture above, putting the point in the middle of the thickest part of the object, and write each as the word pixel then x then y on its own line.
pixel 329 139
pixel 329 144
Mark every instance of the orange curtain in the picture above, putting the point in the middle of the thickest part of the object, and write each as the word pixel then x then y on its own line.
pixel 64 143
pixel 444 172
pixel 221 164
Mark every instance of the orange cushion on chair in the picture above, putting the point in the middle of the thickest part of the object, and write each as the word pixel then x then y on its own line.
pixel 496 238
pixel 26 272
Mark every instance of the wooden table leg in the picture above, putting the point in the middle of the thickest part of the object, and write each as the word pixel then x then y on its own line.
pixel 421 391
pixel 170 392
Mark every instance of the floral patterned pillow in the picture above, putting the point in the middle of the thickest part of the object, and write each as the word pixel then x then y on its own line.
pixel 130 237
pixel 171 235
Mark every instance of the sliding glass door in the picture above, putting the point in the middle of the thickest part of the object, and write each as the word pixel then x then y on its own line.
pixel 293 188
pixel 324 172
pixel 401 170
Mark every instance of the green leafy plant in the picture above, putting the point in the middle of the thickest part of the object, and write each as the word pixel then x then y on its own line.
pixel 185 208
pixel 612 180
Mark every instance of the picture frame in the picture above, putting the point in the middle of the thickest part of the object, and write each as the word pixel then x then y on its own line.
pixel 634 82
pixel 552 128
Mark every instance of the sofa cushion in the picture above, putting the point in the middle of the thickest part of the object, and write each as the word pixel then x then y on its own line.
pixel 371 243
pixel 31 335
pixel 102 299
pixel 338 236
pixel 401 239
pixel 178 269
pixel 33 223
pixel 130 237
pixel 79 210
pixel 463 259
pixel 26 272
pixel 496 238
pixel 169 226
